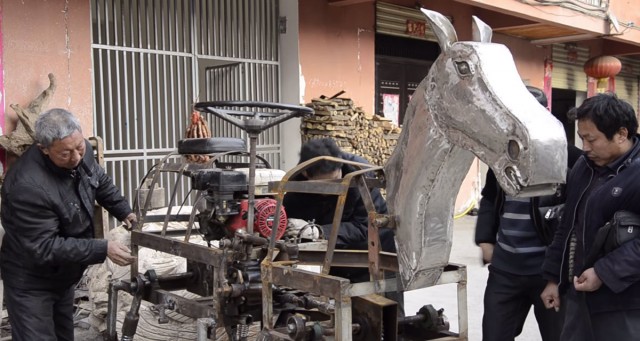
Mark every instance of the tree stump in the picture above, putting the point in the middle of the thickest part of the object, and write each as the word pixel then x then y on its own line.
pixel 23 136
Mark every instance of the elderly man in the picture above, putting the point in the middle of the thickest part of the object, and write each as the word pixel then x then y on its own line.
pixel 48 201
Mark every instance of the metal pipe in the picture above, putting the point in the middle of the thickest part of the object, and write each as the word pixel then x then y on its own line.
pixel 112 308
pixel 130 324
pixel 253 138
pixel 202 328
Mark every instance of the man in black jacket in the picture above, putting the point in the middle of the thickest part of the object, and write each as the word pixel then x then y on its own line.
pixel 48 201
pixel 353 230
pixel 602 301
pixel 512 236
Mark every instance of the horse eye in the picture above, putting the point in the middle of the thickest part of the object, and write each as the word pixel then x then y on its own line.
pixel 463 68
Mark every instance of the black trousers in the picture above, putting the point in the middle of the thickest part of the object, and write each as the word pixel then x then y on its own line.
pixel 580 325
pixel 507 301
pixel 40 315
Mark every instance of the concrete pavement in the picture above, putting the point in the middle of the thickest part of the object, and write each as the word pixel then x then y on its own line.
pixel 464 251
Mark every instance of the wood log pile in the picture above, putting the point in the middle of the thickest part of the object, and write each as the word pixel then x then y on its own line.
pixel 355 131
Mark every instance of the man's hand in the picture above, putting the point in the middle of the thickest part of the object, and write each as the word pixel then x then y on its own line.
pixel 131 221
pixel 588 281
pixel 487 252
pixel 550 296
pixel 119 254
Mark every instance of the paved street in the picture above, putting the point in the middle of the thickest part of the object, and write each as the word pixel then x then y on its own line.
pixel 464 251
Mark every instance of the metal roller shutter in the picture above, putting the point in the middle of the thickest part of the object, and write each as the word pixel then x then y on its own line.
pixel 568 62
pixel 402 22
pixel 627 81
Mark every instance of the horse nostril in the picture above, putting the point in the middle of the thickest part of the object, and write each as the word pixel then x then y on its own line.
pixel 513 150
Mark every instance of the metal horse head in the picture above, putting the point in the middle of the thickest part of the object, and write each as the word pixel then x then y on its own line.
pixel 471 102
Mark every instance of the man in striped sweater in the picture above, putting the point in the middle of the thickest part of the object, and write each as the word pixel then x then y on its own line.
pixel 511 234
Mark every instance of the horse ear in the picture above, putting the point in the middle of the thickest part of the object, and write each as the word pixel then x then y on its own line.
pixel 442 28
pixel 481 31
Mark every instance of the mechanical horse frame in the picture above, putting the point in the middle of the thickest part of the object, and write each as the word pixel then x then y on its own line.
pixel 472 101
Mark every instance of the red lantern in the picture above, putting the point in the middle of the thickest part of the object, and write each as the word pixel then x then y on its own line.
pixel 602 68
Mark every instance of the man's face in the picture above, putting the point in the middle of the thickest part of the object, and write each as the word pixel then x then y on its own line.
pixel 68 152
pixel 597 147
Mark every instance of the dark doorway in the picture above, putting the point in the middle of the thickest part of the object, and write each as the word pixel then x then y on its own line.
pixel 401 64
pixel 561 102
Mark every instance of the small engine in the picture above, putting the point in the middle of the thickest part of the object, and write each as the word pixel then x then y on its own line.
pixel 226 208
pixel 265 212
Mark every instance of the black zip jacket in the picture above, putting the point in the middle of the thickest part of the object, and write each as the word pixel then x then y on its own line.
pixel 618 270
pixel 353 230
pixel 47 213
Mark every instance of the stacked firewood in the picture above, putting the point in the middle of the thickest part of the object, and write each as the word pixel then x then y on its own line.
pixel 355 131
pixel 197 129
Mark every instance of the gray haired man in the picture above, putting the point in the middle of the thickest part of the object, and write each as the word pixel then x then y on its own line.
pixel 48 200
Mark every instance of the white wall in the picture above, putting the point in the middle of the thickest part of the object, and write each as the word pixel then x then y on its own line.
pixel 290 91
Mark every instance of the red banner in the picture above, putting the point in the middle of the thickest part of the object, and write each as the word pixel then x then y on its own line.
pixel 548 70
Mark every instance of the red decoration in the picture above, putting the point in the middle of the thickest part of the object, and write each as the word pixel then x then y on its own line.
pixel 602 67
pixel 416 28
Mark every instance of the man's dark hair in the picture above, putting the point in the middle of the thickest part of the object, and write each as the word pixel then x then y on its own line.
pixel 609 114
pixel 539 95
pixel 320 147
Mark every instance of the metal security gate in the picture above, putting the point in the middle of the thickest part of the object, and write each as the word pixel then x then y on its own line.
pixel 152 59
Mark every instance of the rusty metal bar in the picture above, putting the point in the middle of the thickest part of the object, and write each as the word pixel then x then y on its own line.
pixel 373 287
pixel 195 252
pixel 372 230
pixel 335 226
pixel 382 314
pixel 343 319
pixel 314 283
pixel 183 305
pixel 101 217
pixel 463 322
pixel 348 258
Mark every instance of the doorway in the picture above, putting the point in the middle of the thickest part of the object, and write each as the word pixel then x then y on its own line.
pixel 401 64
pixel 562 101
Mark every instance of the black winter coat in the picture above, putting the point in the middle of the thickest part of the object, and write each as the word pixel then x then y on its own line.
pixel 353 228
pixel 47 213
pixel 618 270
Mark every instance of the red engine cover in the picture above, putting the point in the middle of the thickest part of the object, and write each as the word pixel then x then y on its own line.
pixel 265 210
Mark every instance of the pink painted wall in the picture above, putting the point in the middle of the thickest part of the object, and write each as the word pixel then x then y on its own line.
pixel 42 37
pixel 337 51
pixel 2 125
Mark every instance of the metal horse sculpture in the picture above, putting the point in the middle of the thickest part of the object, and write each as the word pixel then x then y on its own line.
pixel 472 101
